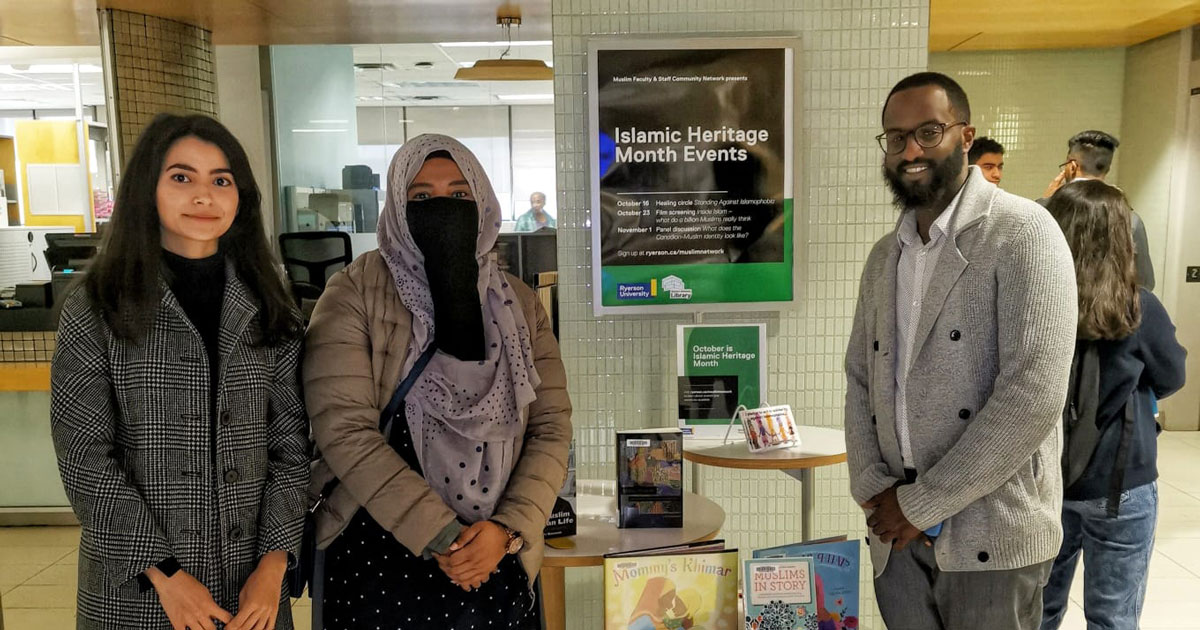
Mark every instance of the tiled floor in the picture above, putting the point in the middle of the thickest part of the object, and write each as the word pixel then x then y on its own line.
pixel 38 576
pixel 37 564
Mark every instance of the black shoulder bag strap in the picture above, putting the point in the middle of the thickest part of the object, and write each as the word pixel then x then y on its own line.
pixel 300 573
pixel 393 405
pixel 1079 416
pixel 389 411
pixel 1117 481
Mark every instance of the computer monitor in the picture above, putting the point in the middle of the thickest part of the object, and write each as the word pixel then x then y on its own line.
pixel 65 251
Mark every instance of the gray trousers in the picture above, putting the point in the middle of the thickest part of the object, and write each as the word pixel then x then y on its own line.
pixel 913 594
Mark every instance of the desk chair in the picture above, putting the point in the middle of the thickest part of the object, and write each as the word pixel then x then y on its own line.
pixel 310 259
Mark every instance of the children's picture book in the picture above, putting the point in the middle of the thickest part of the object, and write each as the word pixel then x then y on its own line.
pixel 836 564
pixel 702 546
pixel 779 594
pixel 562 521
pixel 650 478
pixel 769 428
pixel 672 589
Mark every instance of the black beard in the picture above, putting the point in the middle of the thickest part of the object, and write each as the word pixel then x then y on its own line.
pixel 914 196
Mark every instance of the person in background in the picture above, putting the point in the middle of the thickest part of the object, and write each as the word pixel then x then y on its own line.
pixel 536 217
pixel 1090 156
pixel 957 370
pixel 1111 501
pixel 988 155
pixel 175 409
pixel 437 521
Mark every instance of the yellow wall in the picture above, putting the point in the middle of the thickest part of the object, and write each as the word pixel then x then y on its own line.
pixel 47 142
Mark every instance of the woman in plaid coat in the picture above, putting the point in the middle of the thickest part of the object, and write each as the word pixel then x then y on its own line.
pixel 176 412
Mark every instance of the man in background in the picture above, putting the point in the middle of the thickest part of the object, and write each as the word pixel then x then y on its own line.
pixel 988 155
pixel 1090 156
pixel 536 217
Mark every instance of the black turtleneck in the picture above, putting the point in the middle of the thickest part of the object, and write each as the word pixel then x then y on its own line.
pixel 199 286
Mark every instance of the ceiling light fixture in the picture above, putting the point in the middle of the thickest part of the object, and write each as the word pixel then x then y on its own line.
pixel 506 69
pixel 53 68
pixel 516 44
pixel 368 65
pixel 525 97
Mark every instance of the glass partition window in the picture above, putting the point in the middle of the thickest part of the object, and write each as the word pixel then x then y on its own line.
pixel 484 130
pixel 53 143
pixel 342 112
pixel 316 138
pixel 532 137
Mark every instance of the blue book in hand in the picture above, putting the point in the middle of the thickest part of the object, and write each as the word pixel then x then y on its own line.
pixel 934 531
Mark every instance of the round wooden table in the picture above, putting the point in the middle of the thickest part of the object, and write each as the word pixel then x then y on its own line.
pixel 597 534
pixel 818 447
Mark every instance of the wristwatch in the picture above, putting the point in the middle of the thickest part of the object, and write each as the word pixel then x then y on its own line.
pixel 515 542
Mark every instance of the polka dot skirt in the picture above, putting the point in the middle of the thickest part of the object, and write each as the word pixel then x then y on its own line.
pixel 372 582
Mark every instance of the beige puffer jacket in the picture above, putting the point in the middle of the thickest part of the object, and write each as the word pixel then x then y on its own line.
pixel 356 345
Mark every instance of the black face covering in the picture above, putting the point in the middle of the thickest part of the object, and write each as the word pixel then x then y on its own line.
pixel 446 231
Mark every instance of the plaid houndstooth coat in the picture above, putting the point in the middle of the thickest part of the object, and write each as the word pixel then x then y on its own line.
pixel 151 475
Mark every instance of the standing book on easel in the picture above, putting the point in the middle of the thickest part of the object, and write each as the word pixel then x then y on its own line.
pixel 836 563
pixel 650 478
pixel 688 586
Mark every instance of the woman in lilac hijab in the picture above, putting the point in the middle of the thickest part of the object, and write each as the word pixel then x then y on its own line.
pixel 437 519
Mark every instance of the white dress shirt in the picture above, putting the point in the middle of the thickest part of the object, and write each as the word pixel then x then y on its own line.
pixel 913 273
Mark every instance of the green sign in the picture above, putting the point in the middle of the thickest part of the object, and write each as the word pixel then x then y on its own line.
pixel 721 366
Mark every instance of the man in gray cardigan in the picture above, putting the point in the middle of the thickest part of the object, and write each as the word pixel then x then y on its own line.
pixel 957 372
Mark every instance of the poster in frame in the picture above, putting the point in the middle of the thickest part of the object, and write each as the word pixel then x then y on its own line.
pixel 693 175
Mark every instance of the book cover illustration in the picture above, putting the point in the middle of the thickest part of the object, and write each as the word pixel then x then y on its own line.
pixel 780 594
pixel 769 428
pixel 671 592
pixel 650 478
pixel 836 564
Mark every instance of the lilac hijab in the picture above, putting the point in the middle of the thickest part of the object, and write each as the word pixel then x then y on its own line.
pixel 467 418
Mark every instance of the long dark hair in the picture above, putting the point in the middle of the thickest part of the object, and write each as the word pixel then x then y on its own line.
pixel 1096 220
pixel 123 281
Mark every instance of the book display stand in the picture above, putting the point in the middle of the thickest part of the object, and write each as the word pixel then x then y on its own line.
pixel 818 447
pixel 597 534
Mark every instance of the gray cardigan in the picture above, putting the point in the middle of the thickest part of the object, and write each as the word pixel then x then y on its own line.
pixel 990 363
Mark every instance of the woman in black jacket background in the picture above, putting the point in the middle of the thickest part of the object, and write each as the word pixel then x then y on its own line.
pixel 1125 357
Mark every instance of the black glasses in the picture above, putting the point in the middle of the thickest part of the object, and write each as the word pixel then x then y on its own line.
pixel 927 136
